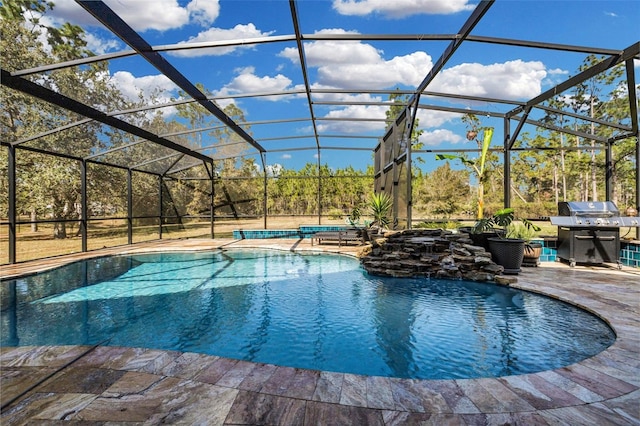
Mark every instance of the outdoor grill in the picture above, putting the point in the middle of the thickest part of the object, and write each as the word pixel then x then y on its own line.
pixel 589 232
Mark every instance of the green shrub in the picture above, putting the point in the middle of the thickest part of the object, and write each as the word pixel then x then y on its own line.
pixel 335 214
pixel 427 225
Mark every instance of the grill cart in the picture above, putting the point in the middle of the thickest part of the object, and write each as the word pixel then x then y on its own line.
pixel 589 231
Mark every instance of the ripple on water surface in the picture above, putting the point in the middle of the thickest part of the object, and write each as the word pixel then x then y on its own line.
pixel 308 311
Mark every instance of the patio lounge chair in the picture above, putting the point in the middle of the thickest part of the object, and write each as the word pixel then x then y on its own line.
pixel 341 237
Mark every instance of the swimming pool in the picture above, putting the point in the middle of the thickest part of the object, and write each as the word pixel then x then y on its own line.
pixel 315 311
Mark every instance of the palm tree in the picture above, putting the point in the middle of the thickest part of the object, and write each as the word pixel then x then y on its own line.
pixel 478 164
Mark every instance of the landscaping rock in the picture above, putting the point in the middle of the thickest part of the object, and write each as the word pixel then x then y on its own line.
pixel 432 253
pixel 506 279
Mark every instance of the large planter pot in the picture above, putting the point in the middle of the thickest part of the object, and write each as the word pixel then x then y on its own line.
pixel 466 229
pixel 508 253
pixel 482 239
pixel 532 253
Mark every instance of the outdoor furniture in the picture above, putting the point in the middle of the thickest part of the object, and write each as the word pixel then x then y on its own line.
pixel 341 237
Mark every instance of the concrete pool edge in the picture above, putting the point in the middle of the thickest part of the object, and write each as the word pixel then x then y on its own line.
pixel 602 389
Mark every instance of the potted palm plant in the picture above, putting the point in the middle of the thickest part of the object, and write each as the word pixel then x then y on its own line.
pixel 532 249
pixel 505 250
pixel 483 230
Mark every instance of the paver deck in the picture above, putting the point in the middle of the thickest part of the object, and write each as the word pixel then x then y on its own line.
pixel 118 385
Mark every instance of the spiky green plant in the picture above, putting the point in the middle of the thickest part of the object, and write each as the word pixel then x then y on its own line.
pixel 354 217
pixel 380 205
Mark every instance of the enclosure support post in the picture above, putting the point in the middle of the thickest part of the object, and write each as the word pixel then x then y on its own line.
pixel 637 179
pixel 409 185
pixel 212 207
pixel 412 118
pixel 264 199
pixel 507 163
pixel 129 207
pixel 394 183
pixel 11 174
pixel 160 183
pixel 633 107
pixel 319 189
pixel 264 189
pixel 83 202
pixel 608 171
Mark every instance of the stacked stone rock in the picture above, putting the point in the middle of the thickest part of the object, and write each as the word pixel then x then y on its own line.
pixel 432 253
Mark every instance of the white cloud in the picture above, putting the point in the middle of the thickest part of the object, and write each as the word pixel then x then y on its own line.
pixel 401 8
pixel 143 15
pixel 558 71
pixel 99 46
pixel 238 32
pixel 329 53
pixel 407 70
pixel 223 103
pixel 248 82
pixel 555 76
pixel 354 127
pixel 353 64
pixel 286 156
pixel 439 137
pixel 427 118
pixel 434 118
pixel 131 87
pixel 167 14
pixel 42 33
pixel 204 12
pixel 276 168
pixel 510 80
pixel 69 10
pixel 162 15
pixel 94 43
pixel 343 97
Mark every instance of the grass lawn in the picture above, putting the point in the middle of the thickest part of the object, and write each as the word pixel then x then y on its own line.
pixel 113 232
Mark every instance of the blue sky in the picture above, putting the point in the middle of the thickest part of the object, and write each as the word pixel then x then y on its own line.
pixel 478 69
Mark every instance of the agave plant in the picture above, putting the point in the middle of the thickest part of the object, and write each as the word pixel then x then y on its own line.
pixel 380 205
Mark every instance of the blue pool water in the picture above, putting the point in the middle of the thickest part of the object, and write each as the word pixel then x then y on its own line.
pixel 309 311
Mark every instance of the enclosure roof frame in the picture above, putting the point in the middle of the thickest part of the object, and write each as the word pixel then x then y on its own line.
pixel 17 80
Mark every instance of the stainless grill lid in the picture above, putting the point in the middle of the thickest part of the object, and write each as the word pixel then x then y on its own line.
pixel 588 208
pixel 592 214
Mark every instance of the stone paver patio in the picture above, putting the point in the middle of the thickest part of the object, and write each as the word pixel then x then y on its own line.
pixel 118 385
